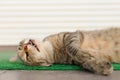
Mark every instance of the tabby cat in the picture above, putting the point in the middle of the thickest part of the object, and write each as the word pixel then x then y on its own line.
pixel 94 50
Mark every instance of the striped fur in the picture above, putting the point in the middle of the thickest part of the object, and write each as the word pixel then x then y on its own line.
pixel 94 50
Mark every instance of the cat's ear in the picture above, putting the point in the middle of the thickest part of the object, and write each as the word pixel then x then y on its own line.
pixel 14 58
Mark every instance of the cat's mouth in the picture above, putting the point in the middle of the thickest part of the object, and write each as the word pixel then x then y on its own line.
pixel 32 43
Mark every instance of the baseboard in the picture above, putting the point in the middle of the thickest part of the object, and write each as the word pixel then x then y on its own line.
pixel 8 48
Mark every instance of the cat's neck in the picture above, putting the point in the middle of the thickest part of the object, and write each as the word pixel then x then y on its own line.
pixel 48 48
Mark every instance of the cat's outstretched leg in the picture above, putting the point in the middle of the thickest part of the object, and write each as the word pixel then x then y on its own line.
pixel 84 57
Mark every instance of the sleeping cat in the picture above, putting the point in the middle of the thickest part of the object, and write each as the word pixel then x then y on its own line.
pixel 94 50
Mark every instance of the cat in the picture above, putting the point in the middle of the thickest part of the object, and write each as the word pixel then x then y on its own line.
pixel 93 50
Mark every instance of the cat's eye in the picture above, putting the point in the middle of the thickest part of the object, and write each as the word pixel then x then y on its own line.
pixel 19 48
pixel 33 44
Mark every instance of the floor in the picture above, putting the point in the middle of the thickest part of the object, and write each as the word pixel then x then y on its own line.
pixel 51 75
pixel 55 75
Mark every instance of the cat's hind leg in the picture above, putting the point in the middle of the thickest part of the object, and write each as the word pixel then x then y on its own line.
pixel 84 57
pixel 91 62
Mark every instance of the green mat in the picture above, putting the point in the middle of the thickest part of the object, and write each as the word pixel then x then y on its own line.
pixel 6 65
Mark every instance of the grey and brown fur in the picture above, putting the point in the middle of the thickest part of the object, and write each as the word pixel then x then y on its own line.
pixel 94 50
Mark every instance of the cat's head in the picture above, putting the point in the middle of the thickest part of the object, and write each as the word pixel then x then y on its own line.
pixel 32 52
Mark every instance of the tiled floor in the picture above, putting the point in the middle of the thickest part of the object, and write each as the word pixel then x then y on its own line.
pixel 55 75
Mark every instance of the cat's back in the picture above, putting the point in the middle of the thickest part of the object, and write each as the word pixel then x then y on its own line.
pixel 113 33
pixel 102 39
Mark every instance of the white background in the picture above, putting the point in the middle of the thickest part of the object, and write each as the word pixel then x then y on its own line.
pixel 38 18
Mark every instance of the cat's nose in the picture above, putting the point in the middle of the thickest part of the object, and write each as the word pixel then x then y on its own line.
pixel 25 47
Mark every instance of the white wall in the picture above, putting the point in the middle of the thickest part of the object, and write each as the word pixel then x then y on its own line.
pixel 38 18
